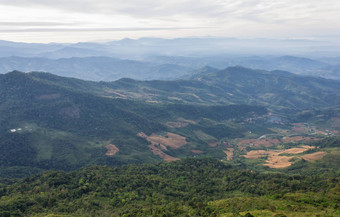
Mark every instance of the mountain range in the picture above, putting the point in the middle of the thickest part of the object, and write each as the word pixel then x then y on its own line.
pixel 52 122
pixel 165 59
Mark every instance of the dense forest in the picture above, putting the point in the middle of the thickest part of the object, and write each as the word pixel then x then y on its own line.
pixel 190 187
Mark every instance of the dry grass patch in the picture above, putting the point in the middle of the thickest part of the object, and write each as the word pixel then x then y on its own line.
pixel 116 93
pixel 275 160
pixel 278 162
pixel 157 150
pixel 314 156
pixel 294 150
pixel 159 144
pixel 172 140
pixel 111 150
pixel 230 153
pixel 256 154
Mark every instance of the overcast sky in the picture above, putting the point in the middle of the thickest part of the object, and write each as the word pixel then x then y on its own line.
pixel 95 20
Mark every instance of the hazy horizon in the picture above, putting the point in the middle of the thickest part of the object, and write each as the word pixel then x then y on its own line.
pixel 77 21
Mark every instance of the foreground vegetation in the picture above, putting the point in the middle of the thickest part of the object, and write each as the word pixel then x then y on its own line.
pixel 191 187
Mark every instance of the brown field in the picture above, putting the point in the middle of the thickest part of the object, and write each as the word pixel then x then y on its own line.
pixel 172 140
pixel 278 162
pixel 161 143
pixel 143 135
pixel 294 150
pixel 213 144
pixel 256 154
pixel 243 144
pixel 229 153
pixel 156 150
pixel 314 156
pixel 197 151
pixel 275 160
pixel 111 150
pixel 116 93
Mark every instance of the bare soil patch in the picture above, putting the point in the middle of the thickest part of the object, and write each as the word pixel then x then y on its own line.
pixel 256 154
pixel 156 150
pixel 159 144
pixel 268 142
pixel 111 150
pixel 230 153
pixel 275 160
pixel 278 162
pixel 116 93
pixel 213 144
pixel 143 135
pixel 294 150
pixel 314 156
pixel 172 140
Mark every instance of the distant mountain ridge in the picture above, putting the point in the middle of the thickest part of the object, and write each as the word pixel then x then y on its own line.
pixel 95 68
pixel 276 89
pixel 105 68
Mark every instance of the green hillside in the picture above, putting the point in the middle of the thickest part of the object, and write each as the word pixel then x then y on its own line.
pixel 281 91
pixel 243 142
pixel 51 122
pixel 64 124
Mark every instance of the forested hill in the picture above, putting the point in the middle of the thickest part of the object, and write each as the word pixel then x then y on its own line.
pixel 191 187
pixel 235 85
pixel 276 89
pixel 50 122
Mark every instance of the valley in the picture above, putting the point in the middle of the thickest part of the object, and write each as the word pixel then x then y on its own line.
pixel 184 147
pixel 66 123
pixel 210 108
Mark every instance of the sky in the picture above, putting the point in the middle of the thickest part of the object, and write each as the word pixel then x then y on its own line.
pixel 47 21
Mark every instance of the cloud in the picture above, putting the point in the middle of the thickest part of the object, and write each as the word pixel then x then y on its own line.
pixel 27 24
pixel 199 8
pixel 95 29
pixel 251 18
